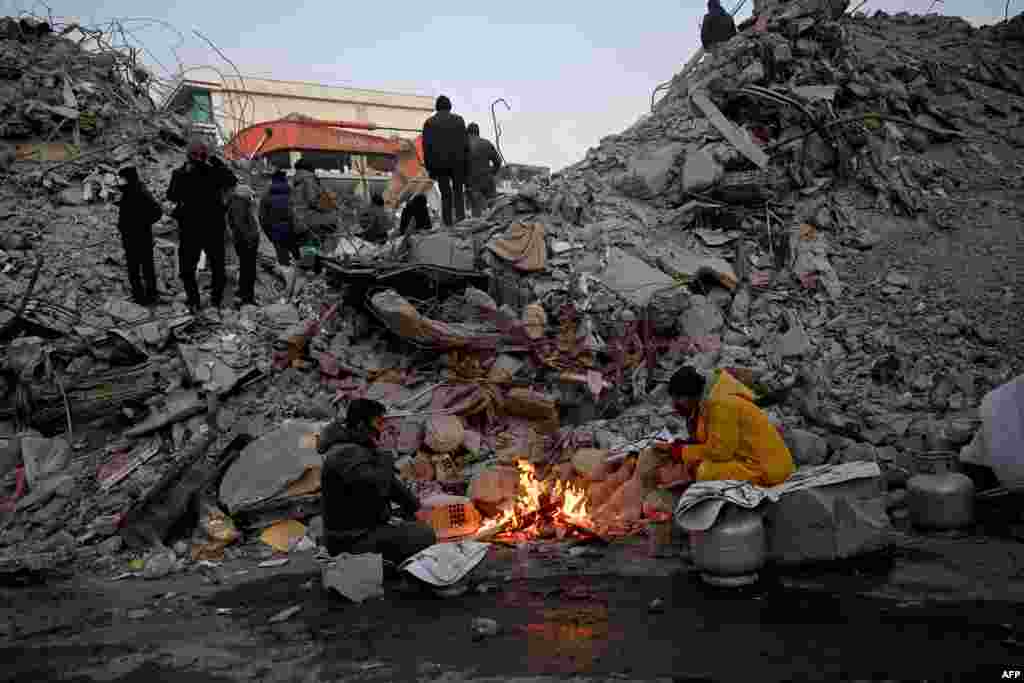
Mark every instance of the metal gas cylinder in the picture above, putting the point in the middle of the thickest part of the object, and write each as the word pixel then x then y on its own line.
pixel 938 497
pixel 733 550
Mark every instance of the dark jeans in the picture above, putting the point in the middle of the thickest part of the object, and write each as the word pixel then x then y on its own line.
pixel 451 186
pixel 248 256
pixel 396 542
pixel 194 240
pixel 138 254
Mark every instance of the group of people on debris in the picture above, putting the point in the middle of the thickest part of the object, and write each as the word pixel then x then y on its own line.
pixel 460 161
pixel 731 438
pixel 209 200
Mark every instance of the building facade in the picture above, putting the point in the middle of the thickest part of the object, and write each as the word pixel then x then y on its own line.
pixel 224 107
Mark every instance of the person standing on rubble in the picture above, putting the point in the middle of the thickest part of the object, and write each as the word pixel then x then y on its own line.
pixel 732 437
pixel 358 484
pixel 484 164
pixel 138 210
pixel 311 217
pixel 718 25
pixel 244 219
pixel 376 221
pixel 199 189
pixel 276 218
pixel 415 215
pixel 445 148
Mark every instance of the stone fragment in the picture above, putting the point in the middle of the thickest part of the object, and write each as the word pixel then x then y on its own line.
pixel 654 169
pixel 495 485
pixel 700 320
pixel 807 448
pixel 857 452
pixel 701 171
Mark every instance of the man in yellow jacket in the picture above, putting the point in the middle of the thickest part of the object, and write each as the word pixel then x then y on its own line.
pixel 733 438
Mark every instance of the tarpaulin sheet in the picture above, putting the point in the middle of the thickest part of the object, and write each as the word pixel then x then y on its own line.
pixel 999 444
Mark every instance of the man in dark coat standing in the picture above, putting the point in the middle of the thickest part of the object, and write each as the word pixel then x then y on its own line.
pixel 484 164
pixel 358 484
pixel 718 25
pixel 138 210
pixel 445 148
pixel 199 189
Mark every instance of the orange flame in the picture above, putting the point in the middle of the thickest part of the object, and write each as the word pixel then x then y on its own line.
pixel 570 500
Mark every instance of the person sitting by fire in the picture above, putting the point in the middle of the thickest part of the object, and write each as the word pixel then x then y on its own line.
pixel 731 438
pixel 358 484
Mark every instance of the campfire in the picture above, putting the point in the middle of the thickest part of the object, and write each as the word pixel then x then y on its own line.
pixel 544 509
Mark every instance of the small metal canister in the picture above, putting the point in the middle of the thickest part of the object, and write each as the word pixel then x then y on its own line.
pixel 938 497
pixel 733 550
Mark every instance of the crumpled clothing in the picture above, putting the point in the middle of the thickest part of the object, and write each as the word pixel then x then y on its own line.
pixel 523 246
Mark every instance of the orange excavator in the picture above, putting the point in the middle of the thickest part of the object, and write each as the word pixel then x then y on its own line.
pixel 296 132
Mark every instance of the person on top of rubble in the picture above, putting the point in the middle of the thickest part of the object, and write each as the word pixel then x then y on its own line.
pixel 732 437
pixel 358 484
pixel 276 218
pixel 243 216
pixel 718 25
pixel 306 201
pixel 376 221
pixel 199 189
pixel 138 210
pixel 445 148
pixel 484 163
pixel 415 215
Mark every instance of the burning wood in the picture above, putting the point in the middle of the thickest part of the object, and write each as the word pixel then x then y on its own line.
pixel 543 509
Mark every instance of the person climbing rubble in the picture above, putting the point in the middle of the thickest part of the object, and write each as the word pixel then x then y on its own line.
pixel 415 216
pixel 376 221
pixel 138 210
pixel 199 188
pixel 245 230
pixel 718 26
pixel 483 164
pixel 276 218
pixel 732 438
pixel 444 155
pixel 358 485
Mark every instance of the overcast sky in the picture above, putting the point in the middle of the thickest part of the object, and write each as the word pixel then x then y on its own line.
pixel 572 71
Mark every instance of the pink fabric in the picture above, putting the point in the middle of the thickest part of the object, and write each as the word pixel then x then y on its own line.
pixel 9 504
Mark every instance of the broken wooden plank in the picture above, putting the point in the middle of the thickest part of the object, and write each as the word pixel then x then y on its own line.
pixel 734 135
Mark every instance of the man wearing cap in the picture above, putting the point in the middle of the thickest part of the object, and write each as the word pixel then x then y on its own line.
pixel 358 484
pixel 445 148
pixel 732 438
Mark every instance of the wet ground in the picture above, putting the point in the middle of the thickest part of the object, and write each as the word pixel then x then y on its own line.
pixel 893 616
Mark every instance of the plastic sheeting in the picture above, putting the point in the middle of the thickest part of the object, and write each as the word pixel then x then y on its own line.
pixel 999 444
pixel 445 564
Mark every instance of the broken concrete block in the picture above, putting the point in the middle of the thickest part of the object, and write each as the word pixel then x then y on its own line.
pixel 701 320
pixel 807 448
pixel 701 171
pixel 269 465
pixel 828 523
pixel 125 311
pixel 43 458
pixel 654 169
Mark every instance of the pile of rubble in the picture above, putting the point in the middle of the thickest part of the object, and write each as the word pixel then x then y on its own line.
pixel 523 355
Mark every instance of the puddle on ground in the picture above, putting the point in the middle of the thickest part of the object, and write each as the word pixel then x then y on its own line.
pixel 569 638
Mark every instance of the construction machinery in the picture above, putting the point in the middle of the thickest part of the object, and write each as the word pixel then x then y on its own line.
pixel 299 133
